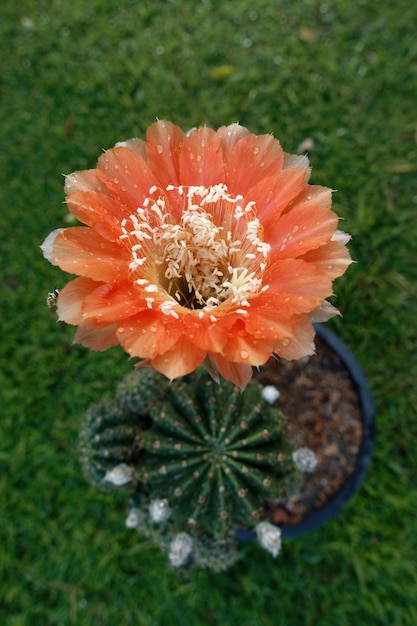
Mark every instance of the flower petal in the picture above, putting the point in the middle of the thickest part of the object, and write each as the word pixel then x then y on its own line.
pixel 297 279
pixel 100 211
pixel 80 250
pixel 252 159
pixel 99 339
pixel 149 334
pixel 71 298
pixel 300 344
pixel 112 303
pixel 300 231
pixel 164 141
pixel 126 176
pixel 237 373
pixel 229 136
pixel 272 195
pixel 183 359
pixel 201 158
pixel 85 180
pixel 332 259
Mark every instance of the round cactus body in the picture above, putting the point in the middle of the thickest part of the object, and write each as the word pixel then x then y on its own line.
pixel 215 454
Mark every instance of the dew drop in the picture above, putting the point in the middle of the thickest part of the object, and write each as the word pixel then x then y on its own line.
pixel 285 342
pixel 295 228
pixel 309 196
pixel 243 354
pixel 159 148
pixel 256 151
pixel 116 181
pixel 282 248
pixel 153 329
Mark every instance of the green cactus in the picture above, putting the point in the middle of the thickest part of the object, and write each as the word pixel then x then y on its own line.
pixel 215 454
pixel 112 433
pixel 199 459
pixel 139 389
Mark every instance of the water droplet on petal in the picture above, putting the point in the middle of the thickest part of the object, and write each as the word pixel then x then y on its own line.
pixel 159 149
pixel 256 150
pixel 286 342
pixel 295 228
pixel 243 354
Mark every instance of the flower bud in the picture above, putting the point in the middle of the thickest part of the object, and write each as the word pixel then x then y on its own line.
pixel 180 549
pixel 269 536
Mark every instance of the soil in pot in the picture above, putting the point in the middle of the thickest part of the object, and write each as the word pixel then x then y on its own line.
pixel 324 412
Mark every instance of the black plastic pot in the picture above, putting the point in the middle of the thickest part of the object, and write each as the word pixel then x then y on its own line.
pixel 353 482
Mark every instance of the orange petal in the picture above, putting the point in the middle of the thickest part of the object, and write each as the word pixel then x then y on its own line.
pixel 300 231
pixel 164 141
pixel 295 277
pixel 271 318
pixel 183 359
pixel 80 250
pixel 332 259
pixel 272 195
pixel 71 298
pixel 243 347
pixel 149 334
pixel 251 160
pixel 100 211
pixel 237 373
pixel 126 176
pixel 201 159
pixel 97 338
pixel 85 180
pixel 111 303
pixel 229 136
pixel 300 344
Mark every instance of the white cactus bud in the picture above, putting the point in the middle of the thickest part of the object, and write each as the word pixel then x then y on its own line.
pixel 304 459
pixel 133 519
pixel 269 536
pixel 120 475
pixel 159 511
pixel 270 394
pixel 180 549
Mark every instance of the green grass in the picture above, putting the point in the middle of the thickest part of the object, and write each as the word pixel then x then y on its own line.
pixel 75 78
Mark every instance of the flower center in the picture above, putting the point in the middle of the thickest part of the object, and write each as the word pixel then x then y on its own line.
pixel 213 254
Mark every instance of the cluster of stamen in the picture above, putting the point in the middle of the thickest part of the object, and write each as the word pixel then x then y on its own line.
pixel 214 254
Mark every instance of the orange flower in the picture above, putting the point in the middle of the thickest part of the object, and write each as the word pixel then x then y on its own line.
pixel 199 248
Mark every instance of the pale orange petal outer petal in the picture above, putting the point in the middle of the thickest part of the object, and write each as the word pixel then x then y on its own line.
pixel 71 298
pixel 85 180
pixel 149 334
pixel 237 373
pixel 272 195
pixel 299 231
pixel 164 141
pixel 112 303
pixel 183 359
pixel 99 211
pixel 99 339
pixel 296 277
pixel 126 176
pixel 80 250
pixel 332 259
pixel 252 159
pixel 300 344
pixel 229 136
pixel 201 158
